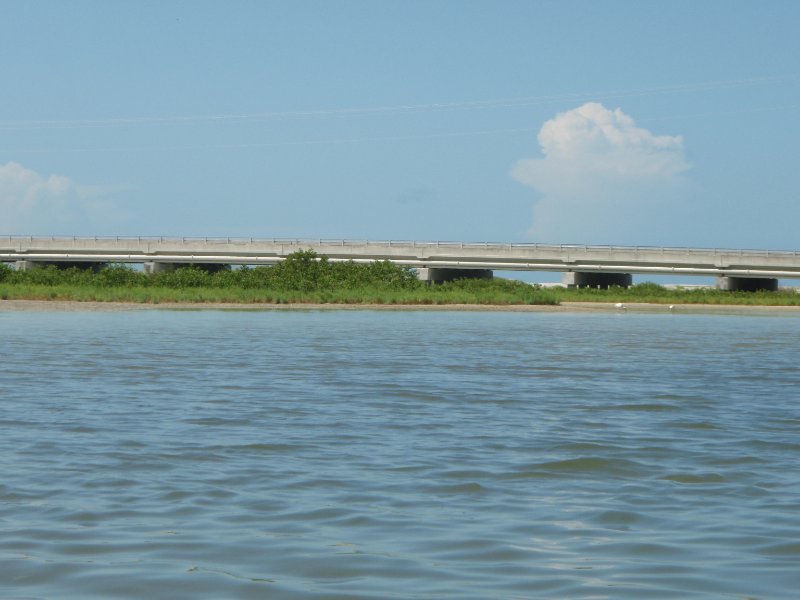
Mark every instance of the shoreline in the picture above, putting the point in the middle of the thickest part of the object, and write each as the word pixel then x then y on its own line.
pixel 94 306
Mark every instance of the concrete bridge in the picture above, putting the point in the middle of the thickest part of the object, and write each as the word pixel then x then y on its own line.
pixel 435 261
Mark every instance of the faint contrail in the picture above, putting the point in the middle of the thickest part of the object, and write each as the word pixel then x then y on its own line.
pixel 399 108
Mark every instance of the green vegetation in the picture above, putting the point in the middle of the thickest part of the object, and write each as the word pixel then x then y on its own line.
pixel 305 277
pixel 657 294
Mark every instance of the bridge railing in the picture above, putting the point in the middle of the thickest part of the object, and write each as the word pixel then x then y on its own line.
pixel 319 242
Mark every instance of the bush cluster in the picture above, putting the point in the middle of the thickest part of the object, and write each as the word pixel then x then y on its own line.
pixel 306 276
pixel 303 271
pixel 303 277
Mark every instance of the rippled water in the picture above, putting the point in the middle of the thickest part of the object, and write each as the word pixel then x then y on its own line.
pixel 365 454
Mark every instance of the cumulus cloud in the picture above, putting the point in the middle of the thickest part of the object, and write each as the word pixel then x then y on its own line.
pixel 31 203
pixel 601 178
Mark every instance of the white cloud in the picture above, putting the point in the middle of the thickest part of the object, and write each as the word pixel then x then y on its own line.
pixel 31 203
pixel 602 179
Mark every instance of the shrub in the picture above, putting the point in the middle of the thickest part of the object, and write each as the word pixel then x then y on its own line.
pixel 119 276
pixel 183 277
pixel 302 271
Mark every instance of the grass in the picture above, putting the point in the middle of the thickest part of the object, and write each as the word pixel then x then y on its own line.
pixel 366 295
pixel 656 294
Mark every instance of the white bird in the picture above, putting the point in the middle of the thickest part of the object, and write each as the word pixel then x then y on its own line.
pixel 620 305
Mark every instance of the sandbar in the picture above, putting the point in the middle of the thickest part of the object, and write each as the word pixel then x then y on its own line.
pixel 91 306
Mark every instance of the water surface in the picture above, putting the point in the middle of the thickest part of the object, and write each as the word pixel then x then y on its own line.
pixel 366 454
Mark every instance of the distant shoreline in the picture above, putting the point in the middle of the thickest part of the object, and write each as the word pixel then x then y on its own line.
pixel 93 306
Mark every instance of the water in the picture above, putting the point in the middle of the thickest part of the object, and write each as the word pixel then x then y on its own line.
pixel 366 454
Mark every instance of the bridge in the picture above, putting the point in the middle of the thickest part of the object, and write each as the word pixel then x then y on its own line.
pixel 582 265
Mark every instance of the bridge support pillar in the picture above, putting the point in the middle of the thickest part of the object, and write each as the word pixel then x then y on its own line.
pixel 151 268
pixel 747 284
pixel 24 265
pixel 596 279
pixel 440 275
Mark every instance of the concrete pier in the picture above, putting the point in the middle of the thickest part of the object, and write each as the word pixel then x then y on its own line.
pixel 151 268
pixel 747 284
pixel 597 279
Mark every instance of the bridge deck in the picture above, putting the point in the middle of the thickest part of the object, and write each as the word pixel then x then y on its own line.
pixel 463 255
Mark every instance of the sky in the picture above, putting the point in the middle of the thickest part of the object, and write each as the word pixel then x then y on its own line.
pixel 607 122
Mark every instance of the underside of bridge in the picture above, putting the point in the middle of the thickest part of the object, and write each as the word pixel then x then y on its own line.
pixel 440 275
pixel 596 279
pixel 26 265
pixel 157 267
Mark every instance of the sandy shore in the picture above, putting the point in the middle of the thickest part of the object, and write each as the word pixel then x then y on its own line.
pixel 72 306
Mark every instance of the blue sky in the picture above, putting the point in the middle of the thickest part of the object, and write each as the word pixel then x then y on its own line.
pixel 653 123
